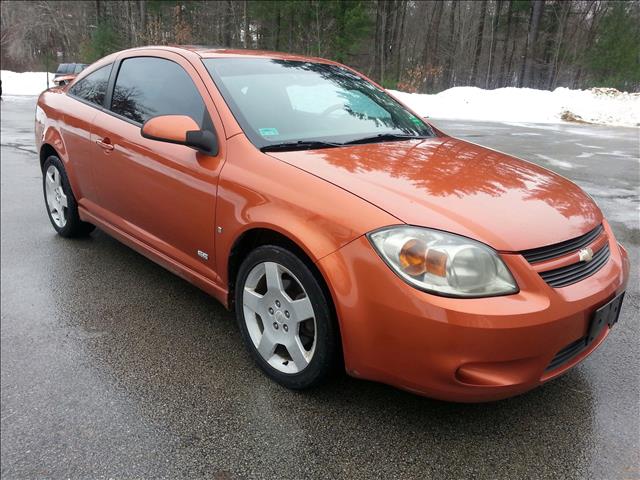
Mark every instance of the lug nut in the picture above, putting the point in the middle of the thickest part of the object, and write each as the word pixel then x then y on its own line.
pixel 270 310
pixel 286 327
pixel 287 314
pixel 278 303
pixel 275 325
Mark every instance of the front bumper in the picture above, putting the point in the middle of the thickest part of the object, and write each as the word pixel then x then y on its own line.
pixel 466 350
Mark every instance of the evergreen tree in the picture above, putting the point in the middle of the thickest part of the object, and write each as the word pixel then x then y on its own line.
pixel 614 60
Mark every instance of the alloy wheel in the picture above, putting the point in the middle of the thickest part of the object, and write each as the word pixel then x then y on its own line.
pixel 279 317
pixel 56 199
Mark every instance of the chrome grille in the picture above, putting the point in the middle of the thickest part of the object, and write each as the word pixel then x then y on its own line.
pixel 541 254
pixel 563 276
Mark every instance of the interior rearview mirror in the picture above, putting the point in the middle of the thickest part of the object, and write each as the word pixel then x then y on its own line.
pixel 182 130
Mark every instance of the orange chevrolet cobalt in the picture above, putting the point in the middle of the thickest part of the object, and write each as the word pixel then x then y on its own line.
pixel 342 229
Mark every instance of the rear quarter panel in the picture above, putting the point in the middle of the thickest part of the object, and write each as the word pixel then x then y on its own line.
pixel 48 121
pixel 65 123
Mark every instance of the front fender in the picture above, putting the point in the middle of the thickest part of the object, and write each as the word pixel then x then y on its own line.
pixel 259 191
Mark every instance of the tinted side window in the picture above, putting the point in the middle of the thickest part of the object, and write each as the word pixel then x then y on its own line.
pixel 93 87
pixel 147 87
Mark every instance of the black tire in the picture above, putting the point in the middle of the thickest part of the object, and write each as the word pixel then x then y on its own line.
pixel 74 227
pixel 326 352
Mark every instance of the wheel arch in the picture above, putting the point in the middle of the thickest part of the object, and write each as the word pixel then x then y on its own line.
pixel 52 139
pixel 47 150
pixel 255 237
pixel 53 144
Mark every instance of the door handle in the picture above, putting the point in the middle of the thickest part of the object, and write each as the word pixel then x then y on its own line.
pixel 105 145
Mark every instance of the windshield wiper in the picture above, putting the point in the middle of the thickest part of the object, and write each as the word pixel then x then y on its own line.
pixel 385 137
pixel 313 144
pixel 299 145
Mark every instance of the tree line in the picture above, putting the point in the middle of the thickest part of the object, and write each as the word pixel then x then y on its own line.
pixel 418 46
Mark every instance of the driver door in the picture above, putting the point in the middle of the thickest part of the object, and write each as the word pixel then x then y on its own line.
pixel 161 194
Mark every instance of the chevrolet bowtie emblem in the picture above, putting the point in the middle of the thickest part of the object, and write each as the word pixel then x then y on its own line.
pixel 586 254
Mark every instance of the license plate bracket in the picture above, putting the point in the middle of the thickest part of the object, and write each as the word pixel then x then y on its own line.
pixel 606 316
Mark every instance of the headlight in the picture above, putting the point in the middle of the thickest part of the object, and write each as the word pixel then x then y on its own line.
pixel 443 263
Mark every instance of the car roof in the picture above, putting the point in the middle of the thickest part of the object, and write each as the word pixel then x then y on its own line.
pixel 205 51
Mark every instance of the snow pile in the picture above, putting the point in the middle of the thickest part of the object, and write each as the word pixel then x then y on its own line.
pixel 605 106
pixel 27 83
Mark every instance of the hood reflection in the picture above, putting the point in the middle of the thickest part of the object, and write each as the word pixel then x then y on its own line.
pixel 457 186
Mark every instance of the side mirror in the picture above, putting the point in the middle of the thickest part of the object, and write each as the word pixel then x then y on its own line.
pixel 182 130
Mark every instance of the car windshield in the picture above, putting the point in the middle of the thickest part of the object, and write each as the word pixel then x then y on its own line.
pixel 296 104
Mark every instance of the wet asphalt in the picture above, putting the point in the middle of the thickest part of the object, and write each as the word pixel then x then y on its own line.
pixel 112 367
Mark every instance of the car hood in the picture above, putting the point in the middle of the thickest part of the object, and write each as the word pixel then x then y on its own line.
pixel 459 187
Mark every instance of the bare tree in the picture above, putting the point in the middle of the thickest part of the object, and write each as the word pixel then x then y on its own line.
pixel 534 23
pixel 479 38
pixel 425 45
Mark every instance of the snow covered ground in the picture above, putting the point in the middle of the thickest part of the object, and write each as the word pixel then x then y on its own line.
pixel 26 83
pixel 599 106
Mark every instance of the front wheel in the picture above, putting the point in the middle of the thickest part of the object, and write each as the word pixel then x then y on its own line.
pixel 285 318
pixel 60 201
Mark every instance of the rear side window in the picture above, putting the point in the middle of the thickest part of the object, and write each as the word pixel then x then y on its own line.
pixel 148 86
pixel 93 87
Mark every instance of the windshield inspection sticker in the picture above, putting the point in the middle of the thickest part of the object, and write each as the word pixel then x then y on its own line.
pixel 416 120
pixel 268 132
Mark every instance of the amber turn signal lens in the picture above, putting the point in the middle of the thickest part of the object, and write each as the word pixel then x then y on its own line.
pixel 416 258
pixel 412 257
pixel 437 263
pixel 443 263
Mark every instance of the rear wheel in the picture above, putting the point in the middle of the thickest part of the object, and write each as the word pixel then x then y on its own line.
pixel 60 201
pixel 285 318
